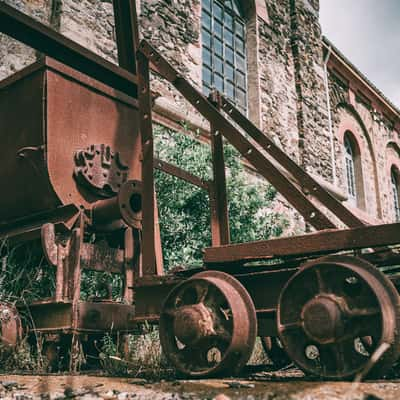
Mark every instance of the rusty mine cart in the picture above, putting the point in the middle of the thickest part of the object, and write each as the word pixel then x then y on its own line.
pixel 79 164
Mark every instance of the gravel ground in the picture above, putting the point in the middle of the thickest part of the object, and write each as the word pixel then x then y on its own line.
pixel 289 385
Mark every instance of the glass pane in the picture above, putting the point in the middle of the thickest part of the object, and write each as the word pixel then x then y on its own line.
pixel 229 54
pixel 228 21
pixel 239 45
pixel 241 97
pixel 218 11
pixel 218 47
pixel 218 29
pixel 230 90
pixel 206 89
pixel 236 8
pixel 206 56
pixel 206 4
pixel 207 75
pixel 206 38
pixel 229 72
pixel 228 37
pixel 240 63
pixel 240 80
pixel 219 65
pixel 206 20
pixel 228 4
pixel 219 82
pixel 240 29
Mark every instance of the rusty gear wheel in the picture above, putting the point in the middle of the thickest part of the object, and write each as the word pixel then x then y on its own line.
pixel 330 309
pixel 274 350
pixel 208 325
pixel 10 325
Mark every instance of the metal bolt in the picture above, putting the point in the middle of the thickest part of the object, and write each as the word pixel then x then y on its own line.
pixel 312 352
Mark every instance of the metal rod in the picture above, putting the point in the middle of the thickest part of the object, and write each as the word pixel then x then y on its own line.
pixel 219 213
pixel 146 130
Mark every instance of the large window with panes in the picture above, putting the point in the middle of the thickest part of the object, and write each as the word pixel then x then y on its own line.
pixel 224 50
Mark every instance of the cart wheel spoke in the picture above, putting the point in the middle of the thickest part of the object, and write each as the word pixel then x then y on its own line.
pixel 213 328
pixel 354 302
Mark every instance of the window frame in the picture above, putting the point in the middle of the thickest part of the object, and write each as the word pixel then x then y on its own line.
pixel 350 168
pixel 395 187
pixel 224 53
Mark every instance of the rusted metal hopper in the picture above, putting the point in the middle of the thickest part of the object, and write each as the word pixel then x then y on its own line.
pixel 66 139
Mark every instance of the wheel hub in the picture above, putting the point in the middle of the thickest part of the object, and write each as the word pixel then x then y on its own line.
pixel 323 319
pixel 193 323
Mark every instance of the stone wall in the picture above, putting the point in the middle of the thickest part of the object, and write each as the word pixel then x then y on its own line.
pixel 379 144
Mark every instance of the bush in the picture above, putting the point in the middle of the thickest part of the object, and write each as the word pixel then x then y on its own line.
pixel 184 209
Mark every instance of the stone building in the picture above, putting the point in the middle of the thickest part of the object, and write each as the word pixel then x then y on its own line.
pixel 270 58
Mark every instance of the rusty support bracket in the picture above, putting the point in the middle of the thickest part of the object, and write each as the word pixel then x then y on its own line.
pixel 266 168
pixel 181 174
pixel 218 198
pixel 146 130
pixel 127 33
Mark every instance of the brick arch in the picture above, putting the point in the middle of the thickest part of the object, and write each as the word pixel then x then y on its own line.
pixel 391 159
pixel 390 144
pixel 347 124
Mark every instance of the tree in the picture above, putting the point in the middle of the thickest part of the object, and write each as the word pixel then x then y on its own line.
pixel 184 209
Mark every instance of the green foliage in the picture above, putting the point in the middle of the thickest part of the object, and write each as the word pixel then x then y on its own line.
pixel 25 275
pixel 22 358
pixel 144 357
pixel 184 209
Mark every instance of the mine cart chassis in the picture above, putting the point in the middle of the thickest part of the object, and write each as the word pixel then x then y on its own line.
pixel 326 300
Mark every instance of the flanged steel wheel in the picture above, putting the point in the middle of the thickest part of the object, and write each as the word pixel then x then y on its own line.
pixel 10 325
pixel 275 351
pixel 208 325
pixel 334 313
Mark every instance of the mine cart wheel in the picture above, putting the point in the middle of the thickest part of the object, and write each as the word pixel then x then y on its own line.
pixel 275 351
pixel 10 325
pixel 335 313
pixel 208 325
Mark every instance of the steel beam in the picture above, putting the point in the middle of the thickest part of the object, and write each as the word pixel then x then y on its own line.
pixel 220 233
pixel 181 174
pixel 146 130
pixel 314 243
pixel 44 39
pixel 126 27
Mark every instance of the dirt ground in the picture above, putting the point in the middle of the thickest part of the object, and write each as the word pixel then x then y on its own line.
pixel 266 385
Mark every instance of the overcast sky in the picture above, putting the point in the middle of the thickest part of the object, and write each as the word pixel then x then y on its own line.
pixel 367 32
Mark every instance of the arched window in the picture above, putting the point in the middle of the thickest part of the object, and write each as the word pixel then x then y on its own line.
pixel 353 170
pixel 349 158
pixel 224 50
pixel 394 175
